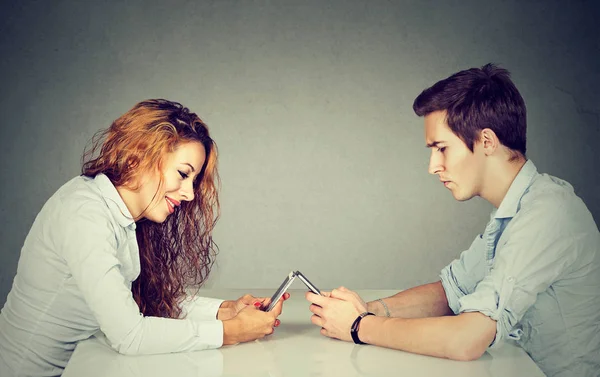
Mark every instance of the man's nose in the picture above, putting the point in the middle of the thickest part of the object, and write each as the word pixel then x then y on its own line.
pixel 435 163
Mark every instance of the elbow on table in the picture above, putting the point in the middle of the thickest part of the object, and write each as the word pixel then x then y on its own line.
pixel 129 346
pixel 467 352
pixel 473 336
pixel 472 348
pixel 125 349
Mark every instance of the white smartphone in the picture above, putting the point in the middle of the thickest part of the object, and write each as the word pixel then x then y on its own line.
pixel 281 290
pixel 307 282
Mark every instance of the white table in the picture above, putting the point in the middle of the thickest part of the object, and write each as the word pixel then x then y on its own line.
pixel 295 349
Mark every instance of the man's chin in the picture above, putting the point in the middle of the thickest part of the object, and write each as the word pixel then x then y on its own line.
pixel 462 198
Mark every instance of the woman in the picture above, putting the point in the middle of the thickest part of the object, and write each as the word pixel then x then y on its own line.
pixel 116 248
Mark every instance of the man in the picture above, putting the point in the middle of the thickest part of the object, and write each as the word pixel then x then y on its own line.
pixel 534 273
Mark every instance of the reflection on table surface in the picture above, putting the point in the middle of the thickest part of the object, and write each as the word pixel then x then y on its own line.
pixel 295 349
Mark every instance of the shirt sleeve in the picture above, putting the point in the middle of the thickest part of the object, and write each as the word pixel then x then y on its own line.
pixel 88 243
pixel 461 276
pixel 200 308
pixel 535 253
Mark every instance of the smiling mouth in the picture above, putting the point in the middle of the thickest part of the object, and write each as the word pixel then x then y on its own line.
pixel 171 204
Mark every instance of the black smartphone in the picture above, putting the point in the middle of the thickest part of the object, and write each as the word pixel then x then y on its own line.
pixel 281 290
pixel 307 282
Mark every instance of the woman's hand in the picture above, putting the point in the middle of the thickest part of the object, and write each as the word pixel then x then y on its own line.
pixel 250 322
pixel 231 308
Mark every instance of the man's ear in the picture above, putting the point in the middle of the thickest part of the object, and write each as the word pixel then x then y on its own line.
pixel 489 141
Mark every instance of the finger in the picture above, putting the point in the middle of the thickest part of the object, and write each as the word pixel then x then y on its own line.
pixel 251 307
pixel 259 302
pixel 266 302
pixel 316 309
pixel 323 331
pixel 316 299
pixel 286 295
pixel 247 299
pixel 315 319
pixel 344 289
pixel 277 323
pixel 342 295
pixel 327 333
pixel 276 311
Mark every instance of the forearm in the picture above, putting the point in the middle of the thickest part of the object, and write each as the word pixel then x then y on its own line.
pixel 463 337
pixel 428 300
pixel 154 335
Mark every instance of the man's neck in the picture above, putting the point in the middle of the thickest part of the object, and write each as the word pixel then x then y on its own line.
pixel 499 178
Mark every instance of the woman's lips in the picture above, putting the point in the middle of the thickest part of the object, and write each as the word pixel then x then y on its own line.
pixel 171 204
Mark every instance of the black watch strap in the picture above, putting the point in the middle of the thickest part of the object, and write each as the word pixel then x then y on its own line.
pixel 356 325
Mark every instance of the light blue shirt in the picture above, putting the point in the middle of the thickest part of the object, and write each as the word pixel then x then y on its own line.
pixel 74 278
pixel 536 271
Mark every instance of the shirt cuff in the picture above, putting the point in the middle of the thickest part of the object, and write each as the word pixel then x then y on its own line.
pixel 453 293
pixel 200 308
pixel 491 299
pixel 211 333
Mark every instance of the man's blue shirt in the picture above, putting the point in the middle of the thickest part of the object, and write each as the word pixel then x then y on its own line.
pixel 536 271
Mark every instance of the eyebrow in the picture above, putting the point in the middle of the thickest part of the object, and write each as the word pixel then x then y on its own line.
pixel 190 165
pixel 434 144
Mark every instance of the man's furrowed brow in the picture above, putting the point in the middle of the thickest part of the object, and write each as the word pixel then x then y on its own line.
pixel 433 144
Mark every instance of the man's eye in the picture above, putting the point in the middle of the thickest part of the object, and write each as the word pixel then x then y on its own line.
pixel 182 174
pixel 441 149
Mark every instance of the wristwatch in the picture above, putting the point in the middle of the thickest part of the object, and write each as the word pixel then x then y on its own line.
pixel 355 326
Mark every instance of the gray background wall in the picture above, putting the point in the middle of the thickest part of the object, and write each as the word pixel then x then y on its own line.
pixel 323 163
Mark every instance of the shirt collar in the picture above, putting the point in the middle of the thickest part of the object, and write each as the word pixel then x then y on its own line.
pixel 510 204
pixel 114 201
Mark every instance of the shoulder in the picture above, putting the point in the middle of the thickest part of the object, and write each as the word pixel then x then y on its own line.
pixel 79 201
pixel 545 187
pixel 553 200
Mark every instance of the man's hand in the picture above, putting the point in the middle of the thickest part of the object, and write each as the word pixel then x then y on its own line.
pixel 335 311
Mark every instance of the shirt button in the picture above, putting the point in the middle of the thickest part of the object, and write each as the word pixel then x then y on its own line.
pixel 510 279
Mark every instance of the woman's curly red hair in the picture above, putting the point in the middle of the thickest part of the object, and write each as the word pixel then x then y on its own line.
pixel 178 253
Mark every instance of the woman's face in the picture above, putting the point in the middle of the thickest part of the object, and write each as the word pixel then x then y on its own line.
pixel 180 169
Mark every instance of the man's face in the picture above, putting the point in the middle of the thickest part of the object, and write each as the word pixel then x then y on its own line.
pixel 459 169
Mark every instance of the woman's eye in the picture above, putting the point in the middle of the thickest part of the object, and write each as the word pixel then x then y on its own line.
pixel 441 149
pixel 182 174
